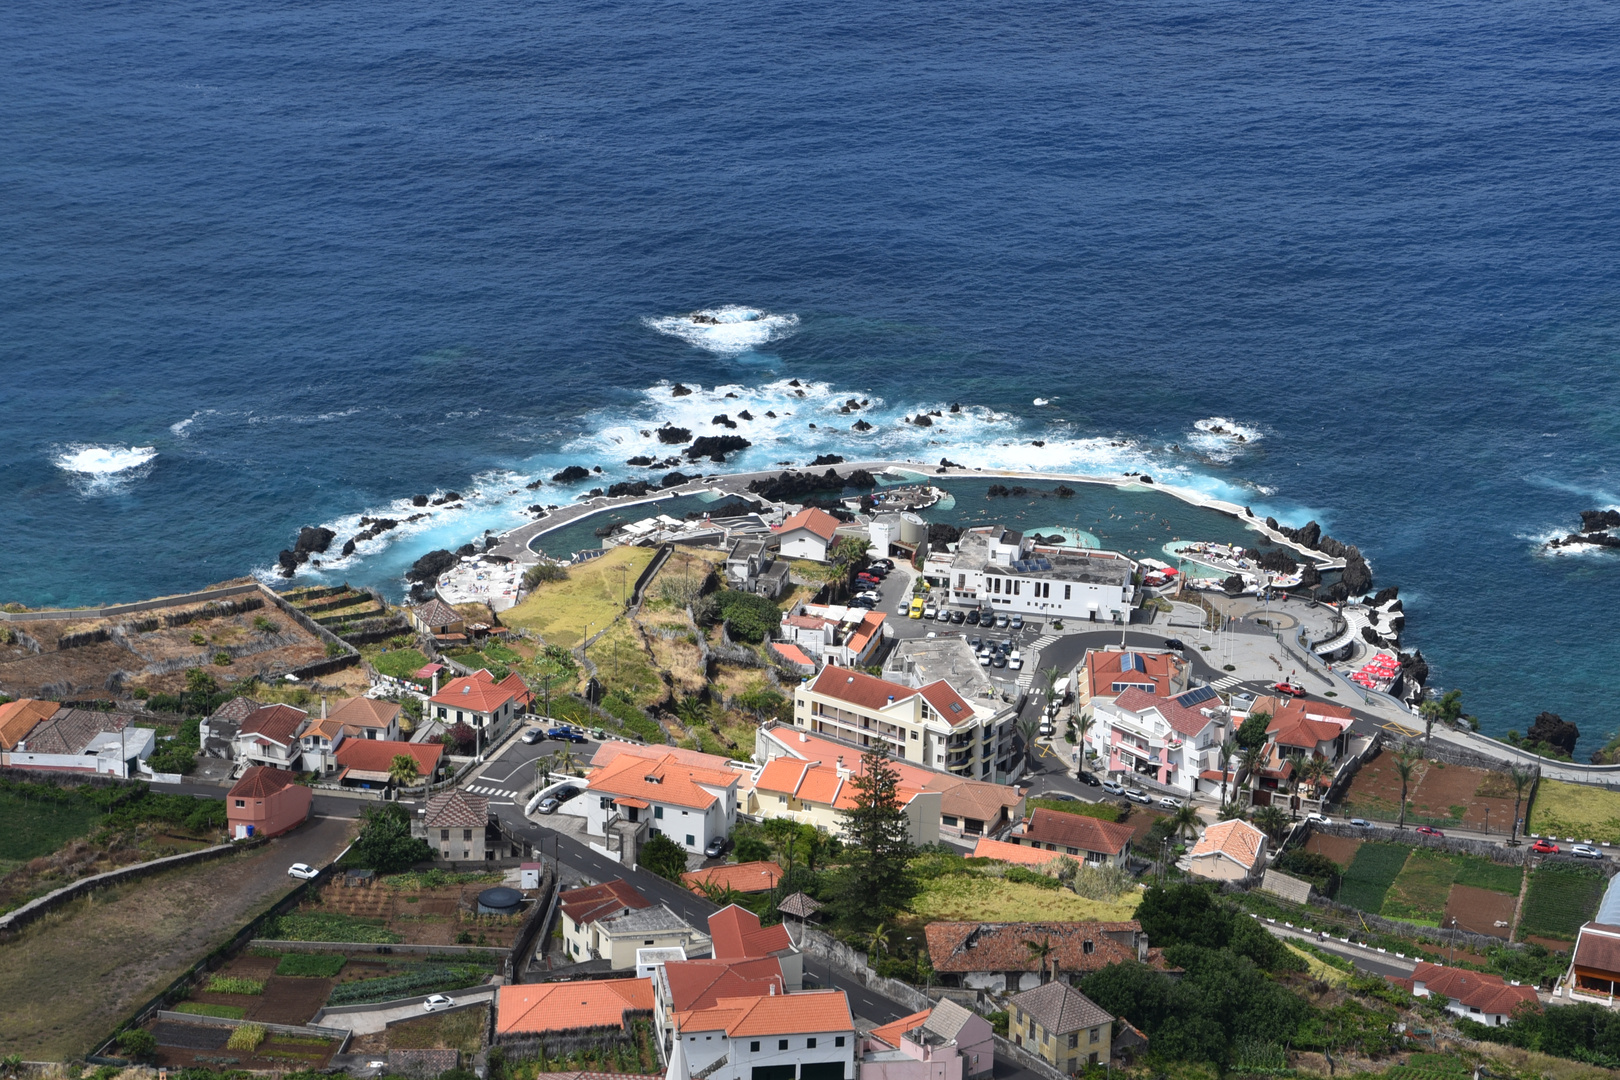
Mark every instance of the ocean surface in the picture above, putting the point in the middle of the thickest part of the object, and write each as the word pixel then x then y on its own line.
pixel 272 267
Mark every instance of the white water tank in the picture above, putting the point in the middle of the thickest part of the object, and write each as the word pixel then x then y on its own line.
pixel 913 529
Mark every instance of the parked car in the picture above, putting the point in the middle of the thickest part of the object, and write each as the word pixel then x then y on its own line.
pixel 549 804
pixel 975 643
pixel 1046 729
pixel 303 870
pixel 1089 779
pixel 984 658
pixel 1585 851
pixel 1001 622
pixel 882 564
pixel 533 735
pixel 1175 643
pixel 1170 802
pixel 563 794
pixel 1015 660
pixel 958 616
pixel 999 660
pixel 1291 689
pixel 715 848
pixel 1361 823
pixel 973 617
pixel 1112 787
pixel 865 603
pixel 1016 622
pixel 438 1001
pixel 1544 847
pixel 567 734
pixel 1429 830
pixel 918 604
pixel 1137 795
pixel 1318 818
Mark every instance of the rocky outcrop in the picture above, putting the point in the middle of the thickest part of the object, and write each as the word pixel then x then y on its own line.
pixel 571 475
pixel 1356 577
pixel 1310 576
pixel 314 540
pixel 640 461
pixel 1331 548
pixel 1063 491
pixel 1385 595
pixel 716 447
pixel 670 435
pixel 921 420
pixel 860 425
pixel 798 486
pixel 1555 731
pixel 675 479
pixel 724 421
pixel 1278 561
pixel 679 390
pixel 629 487
pixel 941 534
pixel 533 485
pixel 447 497
pixel 426 570
pixel 348 547
pixel 1598 520
pixel 996 491
pixel 745 415
pixel 419 500
pixel 947 463
pixel 1233 584
pixel 827 459
pixel 1414 669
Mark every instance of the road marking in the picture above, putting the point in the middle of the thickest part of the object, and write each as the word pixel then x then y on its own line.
pixel 1401 729
pixel 1226 683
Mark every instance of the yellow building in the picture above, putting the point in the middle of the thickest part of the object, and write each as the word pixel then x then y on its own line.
pixel 1060 1025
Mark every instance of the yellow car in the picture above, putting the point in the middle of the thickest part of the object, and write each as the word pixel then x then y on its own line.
pixel 917 605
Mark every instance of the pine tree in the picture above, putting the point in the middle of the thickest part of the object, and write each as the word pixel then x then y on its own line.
pixel 877 880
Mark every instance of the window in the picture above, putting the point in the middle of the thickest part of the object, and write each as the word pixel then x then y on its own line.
pixel 466 834
pixel 649 941
pixel 781 1044
pixel 1096 1034
pixel 839 1041
pixel 658 811
pixel 241 802
pixel 689 840
pixel 810 1043
pixel 1088 947
pixel 1092 1057
pixel 913 736
pixel 1074 1039
pixel 1066 591
pixel 444 834
pixel 1018 587
pixel 753 1047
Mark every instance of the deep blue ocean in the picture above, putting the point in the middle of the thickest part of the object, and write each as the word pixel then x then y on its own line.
pixel 269 266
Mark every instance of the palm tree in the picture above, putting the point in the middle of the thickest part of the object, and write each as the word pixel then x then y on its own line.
pixel 1521 779
pixel 1029 726
pixel 1312 772
pixel 692 712
pixel 566 761
pixel 1184 822
pixel 720 895
pixel 1050 677
pixel 403 770
pixel 877 940
pixel 1229 811
pixel 1041 951
pixel 1405 761
pixel 1082 726
pixel 1272 821
pixel 1431 711
pixel 1223 754
pixel 1252 758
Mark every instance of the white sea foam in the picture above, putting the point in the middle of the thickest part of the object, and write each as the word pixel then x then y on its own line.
pixel 102 461
pixel 1220 439
pixel 727 330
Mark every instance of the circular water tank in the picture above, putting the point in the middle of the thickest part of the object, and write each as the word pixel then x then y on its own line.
pixel 913 530
pixel 500 901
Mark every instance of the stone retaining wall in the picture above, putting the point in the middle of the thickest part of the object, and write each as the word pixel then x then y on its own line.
pixel 16 920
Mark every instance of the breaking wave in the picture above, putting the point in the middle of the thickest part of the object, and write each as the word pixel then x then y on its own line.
pixel 1220 439
pixel 100 469
pixel 727 330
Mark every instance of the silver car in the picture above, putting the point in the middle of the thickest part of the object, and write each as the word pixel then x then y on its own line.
pixel 1585 851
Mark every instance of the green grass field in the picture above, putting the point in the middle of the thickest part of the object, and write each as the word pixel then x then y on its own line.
pixel 970 898
pixel 589 598
pixel 1102 811
pixel 398 663
pixel 224 1012
pixel 1559 900
pixel 330 926
pixel 312 965
pixel 1370 875
pixel 31 828
pixel 1579 810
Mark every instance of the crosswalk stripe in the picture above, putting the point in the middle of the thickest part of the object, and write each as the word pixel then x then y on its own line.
pixel 1226 683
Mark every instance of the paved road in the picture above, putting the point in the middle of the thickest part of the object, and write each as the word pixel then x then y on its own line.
pixel 1368 960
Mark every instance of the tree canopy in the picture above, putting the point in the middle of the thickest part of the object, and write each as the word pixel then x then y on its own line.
pixel 877 880
pixel 385 843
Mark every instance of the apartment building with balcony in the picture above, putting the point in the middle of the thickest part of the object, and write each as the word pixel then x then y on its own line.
pixel 1003 570
pixel 1170 740
pixel 930 724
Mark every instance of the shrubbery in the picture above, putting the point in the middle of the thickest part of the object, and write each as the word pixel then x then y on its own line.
pixel 747 617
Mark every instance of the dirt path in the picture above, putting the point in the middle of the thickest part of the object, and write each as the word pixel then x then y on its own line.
pixel 69 978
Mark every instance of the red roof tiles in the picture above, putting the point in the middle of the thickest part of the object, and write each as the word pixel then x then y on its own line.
pixel 1184 721
pixel 480 692
pixel 748 877
pixel 1474 989
pixel 260 782
pixel 277 723
pixel 594 902
pixel 568 1006
pixel 1074 831
pixel 819 522
pixel 737 935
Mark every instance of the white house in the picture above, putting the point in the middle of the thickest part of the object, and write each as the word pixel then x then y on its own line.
pixel 269 736
pixel 807 535
pixel 1174 741
pixel 689 803
pixel 808 1035
pixel 84 740
pixel 483 703
pixel 1004 571
pixel 1480 997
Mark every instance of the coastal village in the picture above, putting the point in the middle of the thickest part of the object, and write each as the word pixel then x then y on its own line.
pixel 816 786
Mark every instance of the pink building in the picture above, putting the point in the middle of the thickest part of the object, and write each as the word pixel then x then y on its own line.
pixel 268 801
pixel 946 1042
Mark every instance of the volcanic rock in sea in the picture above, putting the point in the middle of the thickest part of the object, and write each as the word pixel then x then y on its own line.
pixel 716 447
pixel 956 407
pixel 313 540
pixel 1555 731
pixel 947 463
pixel 348 547
pixel 1357 578
pixel 1595 520
pixel 860 425
pixel 467 549
pixel 1037 442
pixel 1332 548
pixel 426 570
pixel 724 421
pixel 419 500
pixel 827 459
pixel 1385 595
pixel 674 479
pixel 1414 668
pixel 1145 478
pixel 922 420
pixel 795 486
pixel 745 415
pixel 571 475
pixel 674 436
pixel 533 485
pixel 1278 561
pixel 940 534
pixel 679 390
pixel 1309 576
pixel 640 460
pixel 629 487
pixel 1064 491
pixel 996 491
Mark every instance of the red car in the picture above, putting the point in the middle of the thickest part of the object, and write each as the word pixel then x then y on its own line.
pixel 1429 831
pixel 1290 689
pixel 1544 847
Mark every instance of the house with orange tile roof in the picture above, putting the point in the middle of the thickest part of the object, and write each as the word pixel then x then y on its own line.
pixel 267 802
pixel 683 985
pixel 820 793
pixel 966 807
pixel 807 534
pixel 833 633
pixel 945 1042
pixel 1481 997
pixel 768 1037
pixel 269 736
pixel 1108 672
pixel 18 718
pixel 737 935
pixel 1303 729
pixel 530 1009
pixel 374 718
pixel 689 803
pixel 997 956
pixel 995 752
pixel 1170 740
pixel 84 740
pixel 748 877
pixel 1090 840
pixel 1228 851
pixel 484 703
pixel 932 724
pixel 365 763
pixel 1595 965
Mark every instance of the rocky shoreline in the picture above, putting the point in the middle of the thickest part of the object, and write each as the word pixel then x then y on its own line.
pixel 1594 531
